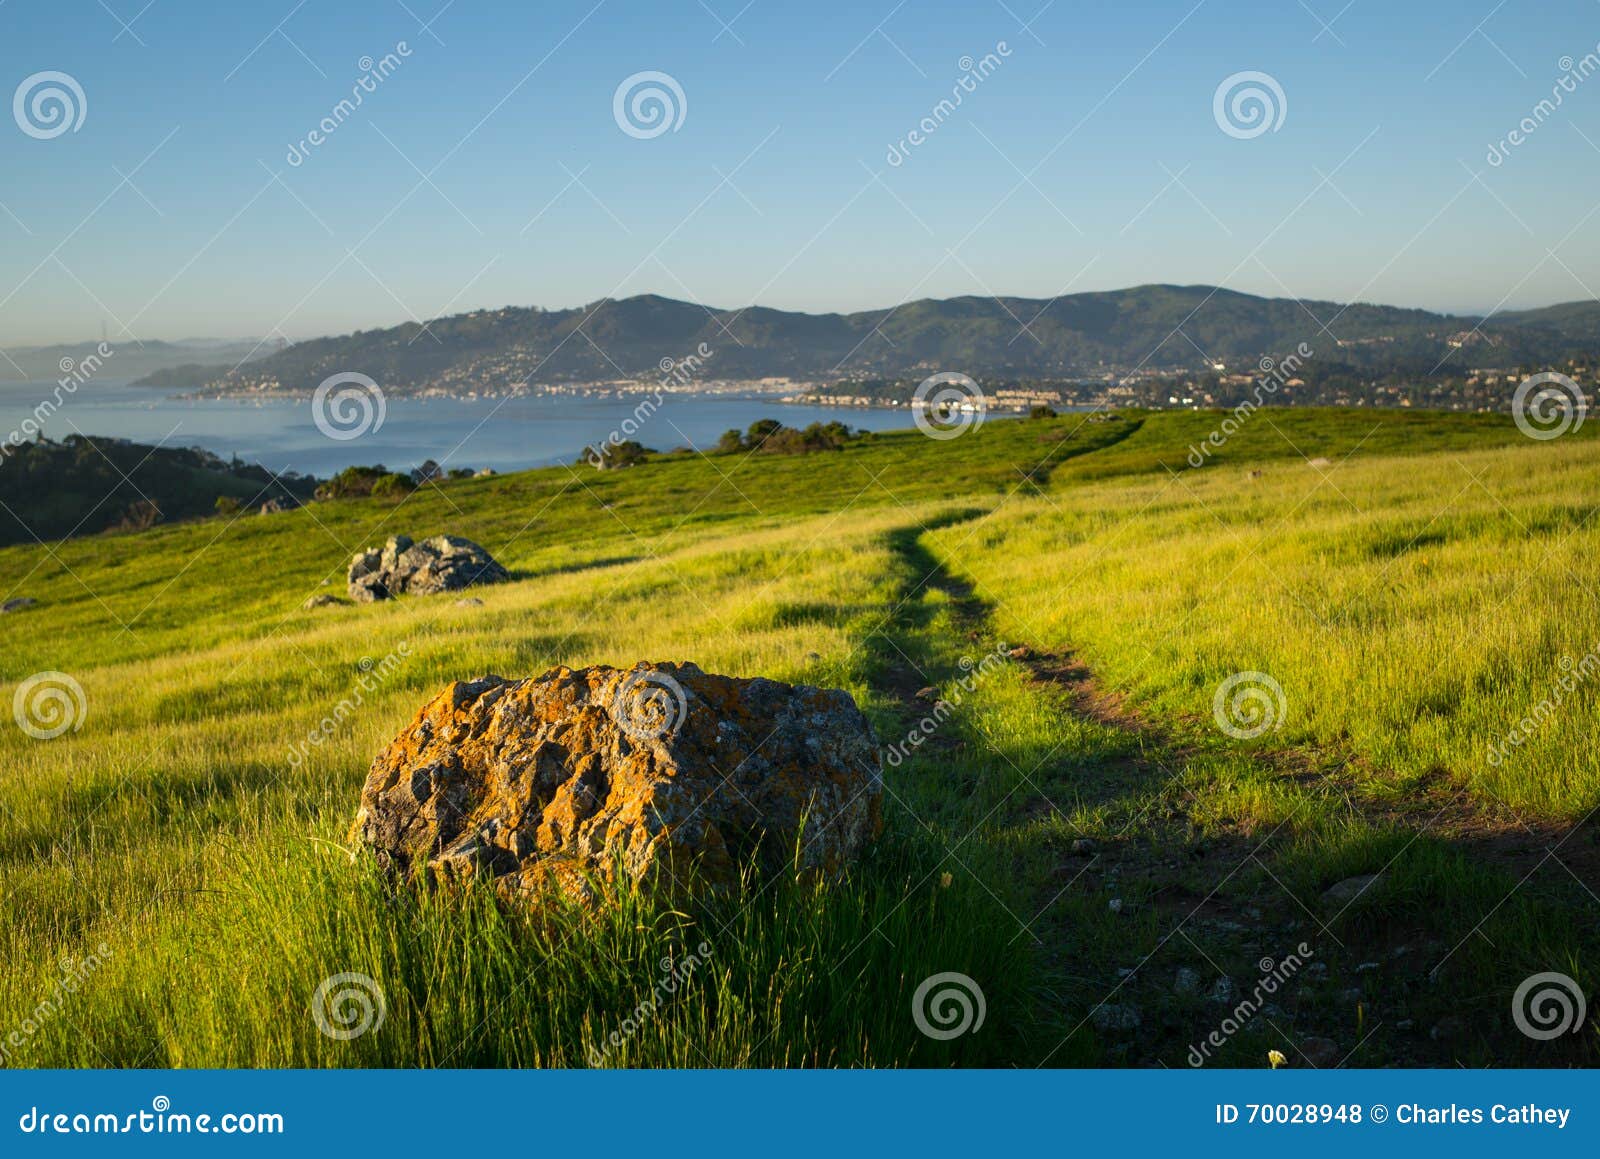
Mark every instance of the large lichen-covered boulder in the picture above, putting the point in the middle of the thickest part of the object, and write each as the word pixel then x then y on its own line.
pixel 445 563
pixel 661 772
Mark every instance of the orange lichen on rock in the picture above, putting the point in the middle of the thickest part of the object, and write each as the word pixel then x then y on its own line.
pixel 579 775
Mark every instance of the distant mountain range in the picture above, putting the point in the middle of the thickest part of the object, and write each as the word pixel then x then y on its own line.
pixel 1076 335
pixel 128 359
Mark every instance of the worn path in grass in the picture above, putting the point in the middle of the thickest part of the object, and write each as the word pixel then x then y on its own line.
pixel 1165 868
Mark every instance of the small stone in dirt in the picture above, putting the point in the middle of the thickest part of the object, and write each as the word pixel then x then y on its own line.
pixel 1347 891
pixel 1083 846
pixel 1022 652
pixel 1319 462
pixel 1116 1017
pixel 17 604
pixel 1187 981
pixel 1321 1052
pixel 1222 990
pixel 926 693
pixel 322 600
pixel 1115 905
pixel 470 602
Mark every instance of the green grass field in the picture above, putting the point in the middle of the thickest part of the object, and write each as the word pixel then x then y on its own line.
pixel 1081 838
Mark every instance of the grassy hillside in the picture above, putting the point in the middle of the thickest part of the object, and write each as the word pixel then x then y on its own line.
pixel 1079 836
pixel 86 484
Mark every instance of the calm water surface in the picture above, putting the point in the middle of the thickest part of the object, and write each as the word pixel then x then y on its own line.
pixel 506 434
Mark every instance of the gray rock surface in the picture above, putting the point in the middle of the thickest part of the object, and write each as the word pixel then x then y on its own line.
pixel 445 563
pixel 1114 1017
pixel 1321 1052
pixel 1347 891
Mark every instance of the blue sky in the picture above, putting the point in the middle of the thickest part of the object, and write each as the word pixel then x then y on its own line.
pixel 1090 158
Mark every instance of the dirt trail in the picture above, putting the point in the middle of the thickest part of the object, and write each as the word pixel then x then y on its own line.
pixel 1444 808
pixel 1216 886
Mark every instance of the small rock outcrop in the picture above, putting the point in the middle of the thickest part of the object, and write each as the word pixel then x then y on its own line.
pixel 321 600
pixel 445 563
pixel 1320 1052
pixel 661 772
pixel 1351 889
